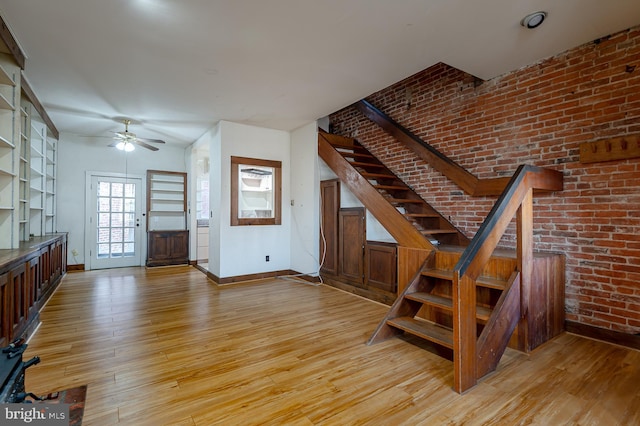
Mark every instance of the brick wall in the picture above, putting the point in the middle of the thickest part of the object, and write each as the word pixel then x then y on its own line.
pixel 536 115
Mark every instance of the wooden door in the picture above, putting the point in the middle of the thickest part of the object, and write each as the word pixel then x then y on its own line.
pixel 330 204
pixel 351 239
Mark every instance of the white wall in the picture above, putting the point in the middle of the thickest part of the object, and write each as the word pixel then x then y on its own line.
pixel 76 156
pixel 305 195
pixel 192 154
pixel 215 199
pixel 243 248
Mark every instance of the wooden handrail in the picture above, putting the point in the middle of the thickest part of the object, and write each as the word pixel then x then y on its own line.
pixel 452 170
pixel 516 198
pixel 526 178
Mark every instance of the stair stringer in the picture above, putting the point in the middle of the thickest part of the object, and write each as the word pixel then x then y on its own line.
pixel 495 336
pixel 389 217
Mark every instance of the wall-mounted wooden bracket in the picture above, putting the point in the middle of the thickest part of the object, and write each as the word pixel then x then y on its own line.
pixel 610 149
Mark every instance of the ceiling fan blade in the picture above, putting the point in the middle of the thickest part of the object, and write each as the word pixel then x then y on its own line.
pixel 145 145
pixel 113 144
pixel 151 140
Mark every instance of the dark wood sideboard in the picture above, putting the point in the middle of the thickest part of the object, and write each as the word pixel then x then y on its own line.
pixel 28 277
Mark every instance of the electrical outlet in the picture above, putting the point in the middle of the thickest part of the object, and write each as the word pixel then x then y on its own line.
pixel 266 258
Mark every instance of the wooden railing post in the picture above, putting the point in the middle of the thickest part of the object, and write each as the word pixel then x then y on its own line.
pixel 464 333
pixel 524 223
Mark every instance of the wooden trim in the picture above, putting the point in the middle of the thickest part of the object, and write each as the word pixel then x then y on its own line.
pixel 611 149
pixel 250 277
pixel 75 268
pixel 11 44
pixel 31 96
pixel 610 336
pixel 277 192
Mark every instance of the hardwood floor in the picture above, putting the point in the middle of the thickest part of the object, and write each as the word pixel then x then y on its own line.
pixel 166 346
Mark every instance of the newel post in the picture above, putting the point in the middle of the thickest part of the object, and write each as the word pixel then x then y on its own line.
pixel 464 333
pixel 525 265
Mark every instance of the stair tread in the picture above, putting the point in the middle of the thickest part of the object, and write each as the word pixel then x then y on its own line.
pixel 377 175
pixel 482 313
pixel 405 200
pixel 482 281
pixel 418 215
pixel 438 231
pixel 424 329
pixel 396 187
pixel 361 164
pixel 347 154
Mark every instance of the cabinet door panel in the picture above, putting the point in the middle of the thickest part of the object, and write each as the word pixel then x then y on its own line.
pixel 330 195
pixel 381 266
pixel 352 238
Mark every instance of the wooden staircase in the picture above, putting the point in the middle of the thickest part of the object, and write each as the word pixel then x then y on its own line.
pixel 426 306
pixel 359 169
pixel 465 296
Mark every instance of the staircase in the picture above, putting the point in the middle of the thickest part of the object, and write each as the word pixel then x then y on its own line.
pixel 464 296
pixel 381 191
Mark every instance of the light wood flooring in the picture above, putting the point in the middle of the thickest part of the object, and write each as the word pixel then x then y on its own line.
pixel 166 346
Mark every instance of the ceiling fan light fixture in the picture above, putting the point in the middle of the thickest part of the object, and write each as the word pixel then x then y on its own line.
pixel 125 146
pixel 533 20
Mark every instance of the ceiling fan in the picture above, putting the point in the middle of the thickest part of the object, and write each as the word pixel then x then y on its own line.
pixel 126 141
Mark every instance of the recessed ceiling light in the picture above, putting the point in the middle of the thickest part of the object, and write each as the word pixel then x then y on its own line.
pixel 533 20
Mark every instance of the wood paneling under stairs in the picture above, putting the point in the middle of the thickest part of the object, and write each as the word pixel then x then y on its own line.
pixel 167 346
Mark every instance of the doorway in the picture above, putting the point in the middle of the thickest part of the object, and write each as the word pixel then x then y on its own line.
pixel 114 228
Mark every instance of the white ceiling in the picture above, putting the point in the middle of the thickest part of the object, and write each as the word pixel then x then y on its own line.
pixel 176 67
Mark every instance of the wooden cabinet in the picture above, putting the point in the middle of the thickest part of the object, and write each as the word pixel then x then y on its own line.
pixel 168 237
pixel 168 248
pixel 28 276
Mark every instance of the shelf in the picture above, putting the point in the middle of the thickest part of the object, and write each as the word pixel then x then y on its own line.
pixel 168 199
pixel 6 143
pixel 174 212
pixel 7 173
pixel 166 191
pixel 5 78
pixel 37 190
pixel 6 208
pixel 36 208
pixel 35 152
pixel 5 103
pixel 167 218
pixel 177 180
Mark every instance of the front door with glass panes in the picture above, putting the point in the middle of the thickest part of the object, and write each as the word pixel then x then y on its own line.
pixel 115 222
